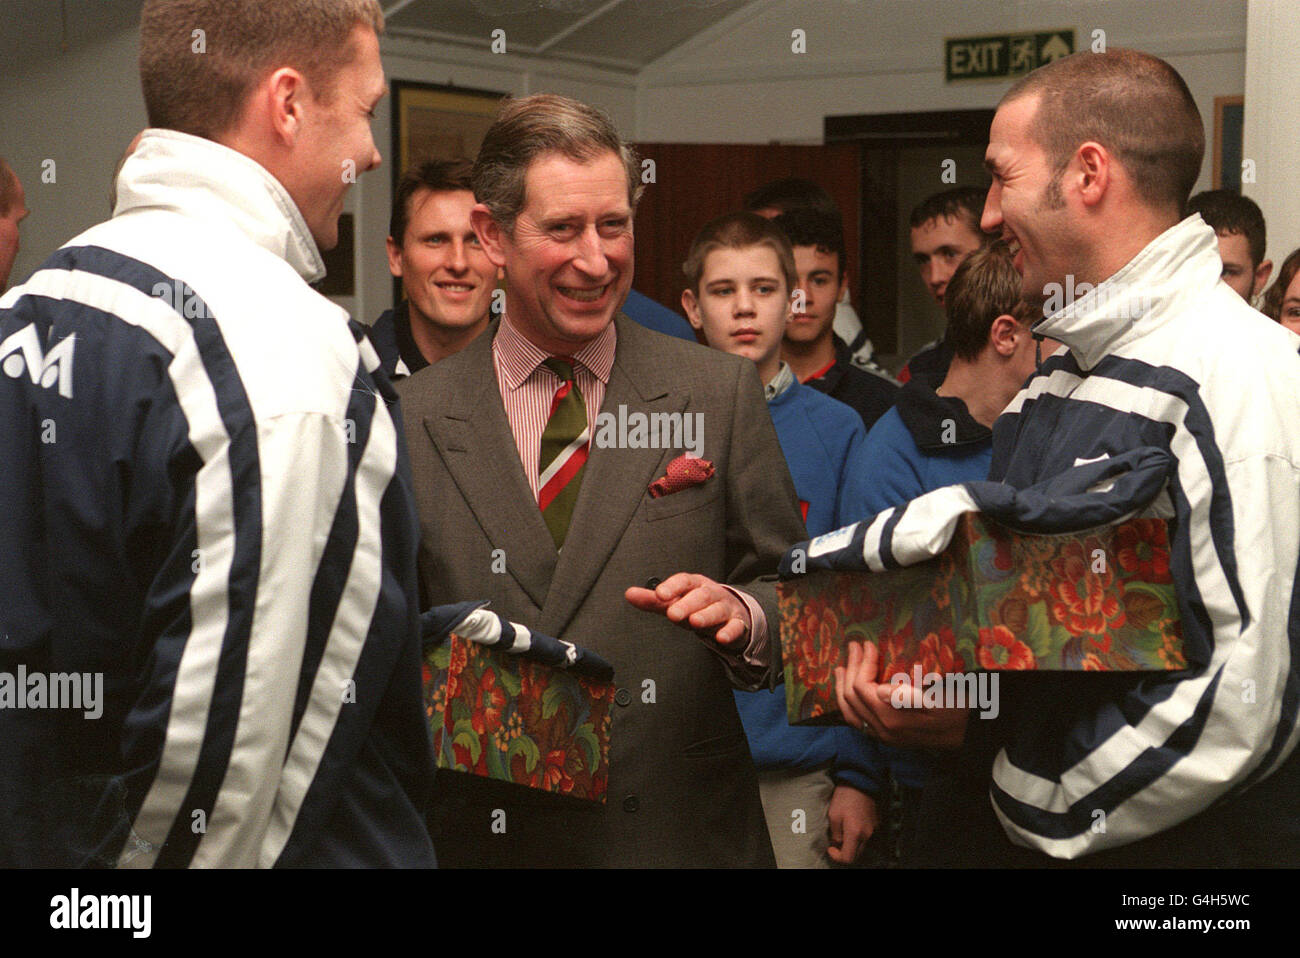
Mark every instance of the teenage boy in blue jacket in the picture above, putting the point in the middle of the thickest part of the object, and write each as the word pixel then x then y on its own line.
pixel 816 789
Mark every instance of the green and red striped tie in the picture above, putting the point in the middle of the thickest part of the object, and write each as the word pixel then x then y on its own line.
pixel 564 452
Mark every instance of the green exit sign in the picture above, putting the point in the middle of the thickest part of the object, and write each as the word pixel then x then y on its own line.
pixel 1004 55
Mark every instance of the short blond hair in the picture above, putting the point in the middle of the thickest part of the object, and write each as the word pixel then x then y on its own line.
pixel 199 59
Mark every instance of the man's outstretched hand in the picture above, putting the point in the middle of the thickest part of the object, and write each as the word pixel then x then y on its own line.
pixel 695 602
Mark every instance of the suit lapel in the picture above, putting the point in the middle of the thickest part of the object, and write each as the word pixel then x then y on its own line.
pixel 614 482
pixel 473 437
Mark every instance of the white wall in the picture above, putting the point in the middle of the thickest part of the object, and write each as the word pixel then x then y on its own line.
pixel 1270 133
pixel 740 82
pixel 79 110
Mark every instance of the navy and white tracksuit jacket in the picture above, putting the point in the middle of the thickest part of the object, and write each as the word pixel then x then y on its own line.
pixel 226 536
pixel 1160 358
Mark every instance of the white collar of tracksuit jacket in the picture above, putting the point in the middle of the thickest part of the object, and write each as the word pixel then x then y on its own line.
pixel 1140 296
pixel 201 178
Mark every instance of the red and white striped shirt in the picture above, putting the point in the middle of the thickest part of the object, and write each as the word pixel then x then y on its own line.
pixel 527 387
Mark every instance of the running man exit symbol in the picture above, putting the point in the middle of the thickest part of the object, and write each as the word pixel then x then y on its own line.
pixel 1003 56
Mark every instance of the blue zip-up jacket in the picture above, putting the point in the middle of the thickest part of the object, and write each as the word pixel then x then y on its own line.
pixel 924 442
pixel 822 441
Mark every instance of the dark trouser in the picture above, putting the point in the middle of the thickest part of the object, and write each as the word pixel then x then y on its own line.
pixel 1259 828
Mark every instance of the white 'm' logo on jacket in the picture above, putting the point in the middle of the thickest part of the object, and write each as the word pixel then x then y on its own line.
pixel 22 350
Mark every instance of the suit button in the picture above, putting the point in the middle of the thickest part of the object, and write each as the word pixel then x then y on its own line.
pixel 653 582
pixel 623 697
pixel 631 803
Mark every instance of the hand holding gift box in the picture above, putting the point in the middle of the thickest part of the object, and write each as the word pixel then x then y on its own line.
pixel 942 587
pixel 516 706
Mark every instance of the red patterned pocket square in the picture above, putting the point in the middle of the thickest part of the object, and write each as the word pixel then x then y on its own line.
pixel 683 472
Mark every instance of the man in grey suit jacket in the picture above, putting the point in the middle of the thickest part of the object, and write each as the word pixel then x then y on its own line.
pixel 556 190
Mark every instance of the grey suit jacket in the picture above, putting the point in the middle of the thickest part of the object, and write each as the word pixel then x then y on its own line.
pixel 682 787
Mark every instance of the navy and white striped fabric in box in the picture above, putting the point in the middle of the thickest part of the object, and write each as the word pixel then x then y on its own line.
pixel 475 623
pixel 1084 497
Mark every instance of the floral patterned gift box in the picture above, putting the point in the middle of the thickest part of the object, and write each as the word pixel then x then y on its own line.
pixel 500 716
pixel 1099 601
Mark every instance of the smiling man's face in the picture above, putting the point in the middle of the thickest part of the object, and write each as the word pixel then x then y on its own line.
pixel 568 262
pixel 447 278
pixel 1024 203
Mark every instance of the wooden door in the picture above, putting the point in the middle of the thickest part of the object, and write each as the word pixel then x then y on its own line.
pixel 694 182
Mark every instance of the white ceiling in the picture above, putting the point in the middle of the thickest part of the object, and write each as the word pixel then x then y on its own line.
pixel 615 34
pixel 619 34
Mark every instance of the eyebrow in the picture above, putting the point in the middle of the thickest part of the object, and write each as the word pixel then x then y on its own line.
pixel 752 279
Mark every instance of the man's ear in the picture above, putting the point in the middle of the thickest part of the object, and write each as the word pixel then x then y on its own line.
pixel 489 233
pixel 692 307
pixel 1262 272
pixel 394 257
pixel 1003 334
pixel 1092 170
pixel 283 98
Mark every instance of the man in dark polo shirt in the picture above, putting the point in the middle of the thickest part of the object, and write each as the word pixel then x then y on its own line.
pixel 447 279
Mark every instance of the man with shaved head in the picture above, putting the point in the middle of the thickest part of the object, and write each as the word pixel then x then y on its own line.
pixel 1092 159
